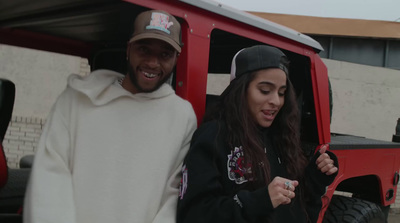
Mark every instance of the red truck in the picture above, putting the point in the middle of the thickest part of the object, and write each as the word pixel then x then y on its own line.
pixel 212 33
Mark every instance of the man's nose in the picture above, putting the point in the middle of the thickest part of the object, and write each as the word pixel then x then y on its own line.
pixel 153 60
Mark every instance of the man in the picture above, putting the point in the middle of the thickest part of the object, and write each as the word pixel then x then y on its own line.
pixel 112 147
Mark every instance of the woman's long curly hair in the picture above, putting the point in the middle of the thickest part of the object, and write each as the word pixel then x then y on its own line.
pixel 232 108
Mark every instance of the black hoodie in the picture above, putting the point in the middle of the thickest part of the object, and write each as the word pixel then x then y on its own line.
pixel 214 188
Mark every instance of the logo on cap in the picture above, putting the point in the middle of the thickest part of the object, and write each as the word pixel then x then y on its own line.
pixel 160 21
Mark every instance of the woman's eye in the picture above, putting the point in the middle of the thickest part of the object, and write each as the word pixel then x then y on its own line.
pixel 264 91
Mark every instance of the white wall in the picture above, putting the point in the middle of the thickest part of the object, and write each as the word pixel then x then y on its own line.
pixel 39 77
pixel 366 99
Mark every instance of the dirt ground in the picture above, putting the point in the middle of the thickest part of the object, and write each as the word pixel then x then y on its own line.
pixel 394 218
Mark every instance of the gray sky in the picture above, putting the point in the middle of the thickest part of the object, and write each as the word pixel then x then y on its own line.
pixel 388 10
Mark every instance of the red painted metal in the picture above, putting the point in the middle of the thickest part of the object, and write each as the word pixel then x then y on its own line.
pixel 3 167
pixel 378 162
pixel 319 77
pixel 382 163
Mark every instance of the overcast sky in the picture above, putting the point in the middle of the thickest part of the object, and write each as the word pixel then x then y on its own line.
pixel 388 10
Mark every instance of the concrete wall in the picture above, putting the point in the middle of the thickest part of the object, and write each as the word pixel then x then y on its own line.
pixel 366 99
pixel 39 77
pixel 366 102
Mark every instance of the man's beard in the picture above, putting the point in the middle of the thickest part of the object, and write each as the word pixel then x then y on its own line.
pixel 133 77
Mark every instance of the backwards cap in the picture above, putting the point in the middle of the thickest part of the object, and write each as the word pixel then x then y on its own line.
pixel 157 24
pixel 256 58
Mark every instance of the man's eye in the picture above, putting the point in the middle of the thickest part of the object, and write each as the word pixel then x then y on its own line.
pixel 143 49
pixel 167 55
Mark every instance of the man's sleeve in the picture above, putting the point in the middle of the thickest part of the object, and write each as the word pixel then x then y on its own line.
pixel 49 196
pixel 167 211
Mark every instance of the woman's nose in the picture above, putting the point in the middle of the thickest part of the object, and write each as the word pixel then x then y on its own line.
pixel 275 99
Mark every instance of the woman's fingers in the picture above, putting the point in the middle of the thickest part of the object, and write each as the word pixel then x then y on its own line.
pixel 324 163
pixel 282 191
pixel 323 148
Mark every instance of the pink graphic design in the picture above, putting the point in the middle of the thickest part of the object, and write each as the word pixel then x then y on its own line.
pixel 160 21
pixel 184 181
pixel 236 166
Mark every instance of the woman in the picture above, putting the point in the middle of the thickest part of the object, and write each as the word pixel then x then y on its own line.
pixel 245 163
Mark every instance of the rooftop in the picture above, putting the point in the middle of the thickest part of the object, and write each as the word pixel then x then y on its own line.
pixel 335 26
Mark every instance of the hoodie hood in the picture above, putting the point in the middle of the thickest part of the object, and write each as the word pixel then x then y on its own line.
pixel 101 87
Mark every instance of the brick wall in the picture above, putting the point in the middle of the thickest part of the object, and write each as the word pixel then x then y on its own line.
pixel 21 138
pixel 23 133
pixel 84 67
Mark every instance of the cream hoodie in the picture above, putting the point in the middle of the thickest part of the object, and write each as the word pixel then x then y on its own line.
pixel 109 156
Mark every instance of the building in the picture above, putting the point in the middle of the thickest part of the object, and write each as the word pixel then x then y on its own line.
pixel 368 42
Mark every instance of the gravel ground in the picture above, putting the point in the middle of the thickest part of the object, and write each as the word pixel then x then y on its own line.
pixel 394 218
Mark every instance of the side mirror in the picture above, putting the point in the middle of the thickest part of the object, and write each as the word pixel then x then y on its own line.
pixel 7 97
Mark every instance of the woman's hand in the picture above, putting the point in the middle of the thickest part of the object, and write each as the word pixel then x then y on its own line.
pixel 325 163
pixel 281 191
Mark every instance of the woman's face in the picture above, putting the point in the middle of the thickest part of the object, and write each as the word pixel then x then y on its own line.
pixel 266 95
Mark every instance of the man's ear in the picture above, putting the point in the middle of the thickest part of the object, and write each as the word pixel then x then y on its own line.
pixel 177 57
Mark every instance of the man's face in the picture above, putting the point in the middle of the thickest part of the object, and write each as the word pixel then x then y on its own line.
pixel 151 62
